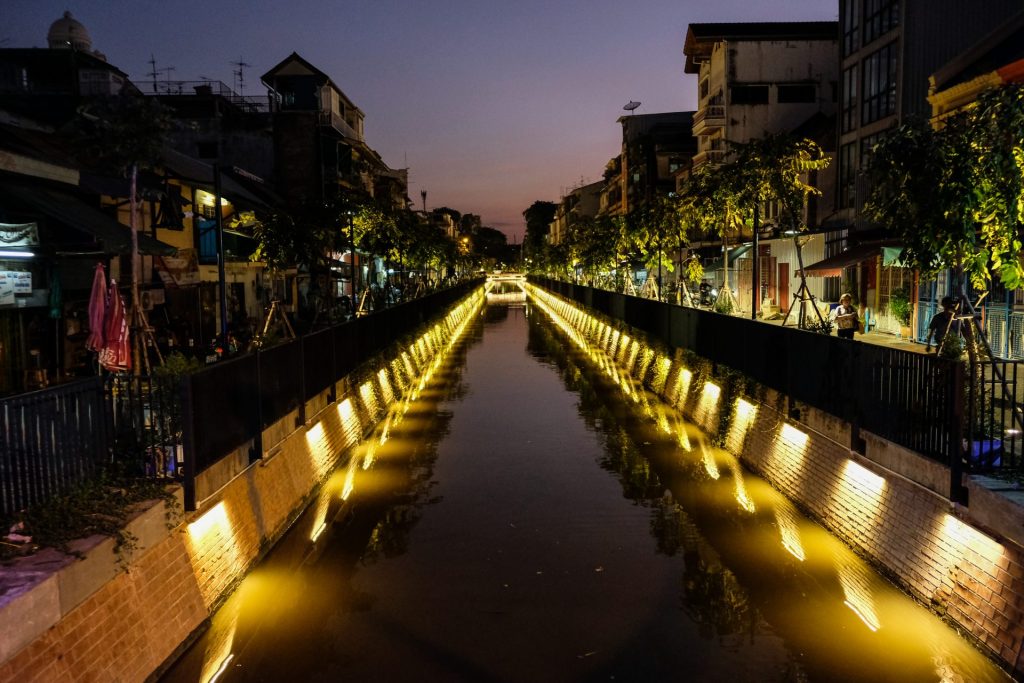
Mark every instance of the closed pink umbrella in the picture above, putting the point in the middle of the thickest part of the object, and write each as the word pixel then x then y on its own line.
pixel 117 352
pixel 97 309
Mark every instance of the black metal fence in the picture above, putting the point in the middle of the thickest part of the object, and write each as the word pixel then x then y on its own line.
pixel 912 399
pixel 229 404
pixel 995 419
pixel 50 440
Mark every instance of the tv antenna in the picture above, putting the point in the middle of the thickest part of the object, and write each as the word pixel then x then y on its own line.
pixel 167 73
pixel 240 74
pixel 631 106
pixel 153 72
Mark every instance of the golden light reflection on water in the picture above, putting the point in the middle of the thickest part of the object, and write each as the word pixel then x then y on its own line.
pixel 789 530
pixel 708 459
pixel 856 583
pixel 741 489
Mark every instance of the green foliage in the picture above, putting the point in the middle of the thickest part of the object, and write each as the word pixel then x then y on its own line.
pixel 955 195
pixel 821 326
pixel 100 506
pixel 305 235
pixel 900 306
pixel 724 304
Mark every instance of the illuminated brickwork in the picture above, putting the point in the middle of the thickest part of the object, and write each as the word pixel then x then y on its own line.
pixel 129 625
pixel 905 525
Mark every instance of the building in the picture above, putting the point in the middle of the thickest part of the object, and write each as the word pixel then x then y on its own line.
pixel 994 61
pixel 889 49
pixel 756 79
pixel 319 148
pixel 580 203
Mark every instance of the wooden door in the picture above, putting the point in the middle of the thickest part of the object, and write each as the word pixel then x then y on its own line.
pixel 783 286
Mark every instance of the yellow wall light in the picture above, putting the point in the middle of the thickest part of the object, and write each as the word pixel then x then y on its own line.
pixel 863 479
pixel 967 538
pixel 213 522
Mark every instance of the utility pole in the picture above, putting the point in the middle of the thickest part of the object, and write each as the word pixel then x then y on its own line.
pixel 221 275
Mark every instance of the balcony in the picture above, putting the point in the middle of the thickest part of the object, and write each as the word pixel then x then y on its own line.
pixel 708 156
pixel 335 121
pixel 708 118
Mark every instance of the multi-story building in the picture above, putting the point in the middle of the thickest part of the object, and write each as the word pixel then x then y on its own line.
pixel 889 48
pixel 319 148
pixel 756 79
pixel 654 148
pixel 580 203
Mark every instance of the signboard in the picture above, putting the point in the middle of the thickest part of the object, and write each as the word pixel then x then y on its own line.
pixel 21 280
pixel 6 289
pixel 179 270
pixel 19 234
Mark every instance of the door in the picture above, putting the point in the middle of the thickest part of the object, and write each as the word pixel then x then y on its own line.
pixel 783 285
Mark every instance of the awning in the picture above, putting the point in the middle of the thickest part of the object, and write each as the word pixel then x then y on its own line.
pixel 833 266
pixel 734 254
pixel 75 213
pixel 200 173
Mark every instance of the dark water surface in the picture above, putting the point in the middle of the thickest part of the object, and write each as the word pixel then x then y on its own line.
pixel 528 521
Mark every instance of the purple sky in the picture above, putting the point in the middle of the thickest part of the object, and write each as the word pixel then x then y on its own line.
pixel 491 104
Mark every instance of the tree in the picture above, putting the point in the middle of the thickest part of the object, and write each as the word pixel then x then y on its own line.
pixel 489 244
pixel 772 170
pixel 538 219
pixel 712 203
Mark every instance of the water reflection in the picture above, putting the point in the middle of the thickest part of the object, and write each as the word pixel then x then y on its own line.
pixel 538 516
pixel 755 569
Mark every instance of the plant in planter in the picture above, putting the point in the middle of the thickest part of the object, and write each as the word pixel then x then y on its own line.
pixel 902 309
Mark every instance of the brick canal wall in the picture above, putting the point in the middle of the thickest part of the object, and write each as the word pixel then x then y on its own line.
pixel 109 618
pixel 890 504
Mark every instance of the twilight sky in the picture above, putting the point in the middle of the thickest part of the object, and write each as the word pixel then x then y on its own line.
pixel 491 104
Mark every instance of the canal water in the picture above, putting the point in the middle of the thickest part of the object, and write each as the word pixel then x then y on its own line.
pixel 529 521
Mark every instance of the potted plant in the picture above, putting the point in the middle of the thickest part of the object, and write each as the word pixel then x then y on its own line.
pixel 902 309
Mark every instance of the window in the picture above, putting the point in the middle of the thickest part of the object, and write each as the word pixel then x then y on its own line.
pixel 851 26
pixel 879 84
pixel 748 94
pixel 797 93
pixel 848 113
pixel 880 17
pixel 704 88
pixel 847 175
pixel 867 145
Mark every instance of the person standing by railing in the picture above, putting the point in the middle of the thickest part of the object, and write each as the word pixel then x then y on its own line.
pixel 942 323
pixel 846 318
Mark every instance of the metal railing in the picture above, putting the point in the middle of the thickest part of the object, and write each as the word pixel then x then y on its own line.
pixel 228 405
pixel 50 440
pixel 912 399
pixel 993 437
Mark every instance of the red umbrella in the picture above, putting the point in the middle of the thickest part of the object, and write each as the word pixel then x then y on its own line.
pixel 97 309
pixel 117 351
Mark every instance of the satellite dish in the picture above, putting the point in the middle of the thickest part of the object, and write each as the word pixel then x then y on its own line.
pixel 631 105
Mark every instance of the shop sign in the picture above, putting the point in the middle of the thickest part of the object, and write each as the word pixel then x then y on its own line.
pixel 6 289
pixel 19 234
pixel 182 269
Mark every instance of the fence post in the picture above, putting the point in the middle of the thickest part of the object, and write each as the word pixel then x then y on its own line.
pixel 188 445
pixel 955 449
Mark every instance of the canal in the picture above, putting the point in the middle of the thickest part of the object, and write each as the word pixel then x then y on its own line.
pixel 529 520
